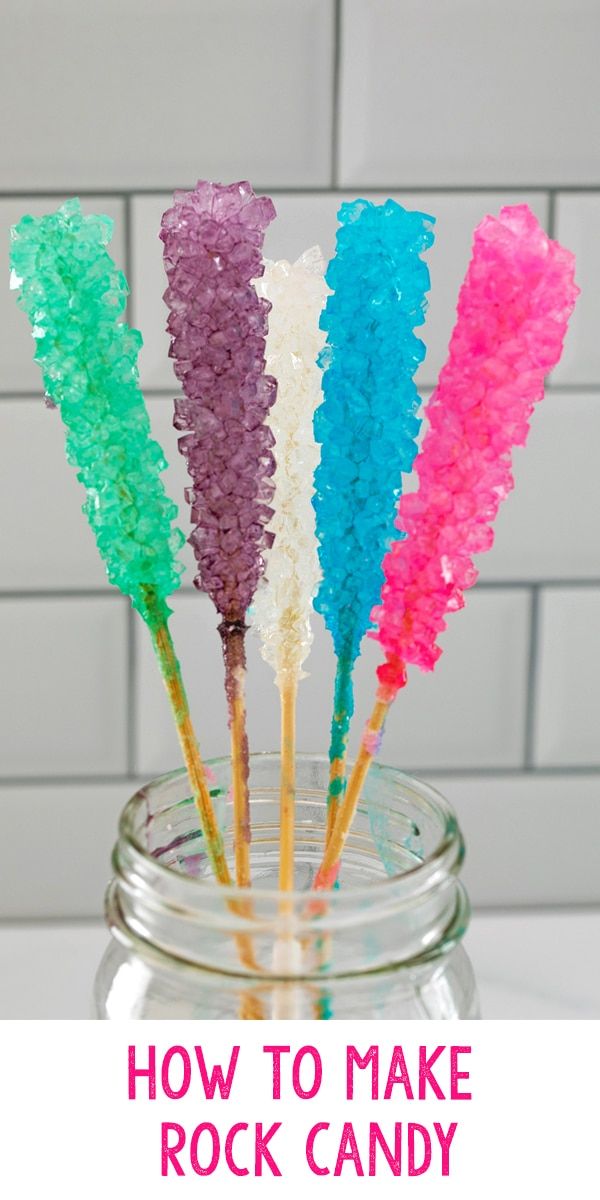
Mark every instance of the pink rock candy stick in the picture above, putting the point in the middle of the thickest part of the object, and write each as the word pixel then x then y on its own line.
pixel 513 310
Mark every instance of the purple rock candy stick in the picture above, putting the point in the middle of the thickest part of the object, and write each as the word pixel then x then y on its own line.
pixel 213 240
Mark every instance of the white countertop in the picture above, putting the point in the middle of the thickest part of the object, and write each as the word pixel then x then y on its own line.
pixel 531 964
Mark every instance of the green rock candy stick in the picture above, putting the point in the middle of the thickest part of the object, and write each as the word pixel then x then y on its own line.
pixel 74 296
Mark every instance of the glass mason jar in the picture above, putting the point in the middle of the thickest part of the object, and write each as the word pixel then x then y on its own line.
pixel 384 944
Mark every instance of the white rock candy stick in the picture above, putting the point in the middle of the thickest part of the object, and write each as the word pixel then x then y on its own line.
pixel 283 604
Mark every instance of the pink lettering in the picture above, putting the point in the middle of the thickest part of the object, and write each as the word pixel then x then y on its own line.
pixel 393 1159
pixel 413 1169
pixel 456 1075
pixel 310 1143
pixel 276 1051
pixel 445 1140
pixel 216 1079
pixel 353 1059
pixel 348 1151
pixel 317 1074
pixel 261 1150
pixel 216 1147
pixel 149 1071
pixel 168 1153
pixel 176 1093
pixel 229 1159
pixel 426 1075
pixel 398 1073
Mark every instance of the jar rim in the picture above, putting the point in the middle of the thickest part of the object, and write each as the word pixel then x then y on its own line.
pixel 123 932
pixel 446 857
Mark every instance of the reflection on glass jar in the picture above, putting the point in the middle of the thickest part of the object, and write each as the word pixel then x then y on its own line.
pixel 384 944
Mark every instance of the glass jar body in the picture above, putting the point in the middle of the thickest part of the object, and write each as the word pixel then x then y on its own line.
pixel 384 945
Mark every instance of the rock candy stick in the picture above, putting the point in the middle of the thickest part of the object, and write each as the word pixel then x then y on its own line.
pixel 513 311
pixel 74 296
pixel 283 604
pixel 367 425
pixel 213 239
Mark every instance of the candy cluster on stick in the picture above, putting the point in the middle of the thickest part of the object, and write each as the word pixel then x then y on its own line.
pixel 213 239
pixel 282 608
pixel 74 297
pixel 367 425
pixel 513 311
pixel 393 563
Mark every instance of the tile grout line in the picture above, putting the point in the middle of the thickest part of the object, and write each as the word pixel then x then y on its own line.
pixel 572 770
pixel 137 779
pixel 514 584
pixel 532 671
pixel 131 691
pixel 564 389
pixel 544 907
pixel 106 592
pixel 335 111
pixel 101 592
pixel 162 393
pixel 128 251
pixel 552 213
pixel 121 193
pixel 45 780
pixel 130 664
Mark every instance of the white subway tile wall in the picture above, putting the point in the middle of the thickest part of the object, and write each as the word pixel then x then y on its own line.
pixel 472 708
pixel 469 93
pixel 45 542
pixel 567 727
pixel 158 93
pixel 524 832
pixel 578 226
pixel 60 836
pixel 481 680
pixel 455 113
pixel 548 526
pixel 63 705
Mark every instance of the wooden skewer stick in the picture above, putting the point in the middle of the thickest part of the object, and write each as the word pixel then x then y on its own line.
pixel 234 654
pixel 337 771
pixel 239 777
pixel 337 774
pixel 327 872
pixel 251 1008
pixel 342 701
pixel 287 801
pixel 287 951
pixel 171 674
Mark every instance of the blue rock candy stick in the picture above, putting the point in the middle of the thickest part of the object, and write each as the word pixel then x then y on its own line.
pixel 367 423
